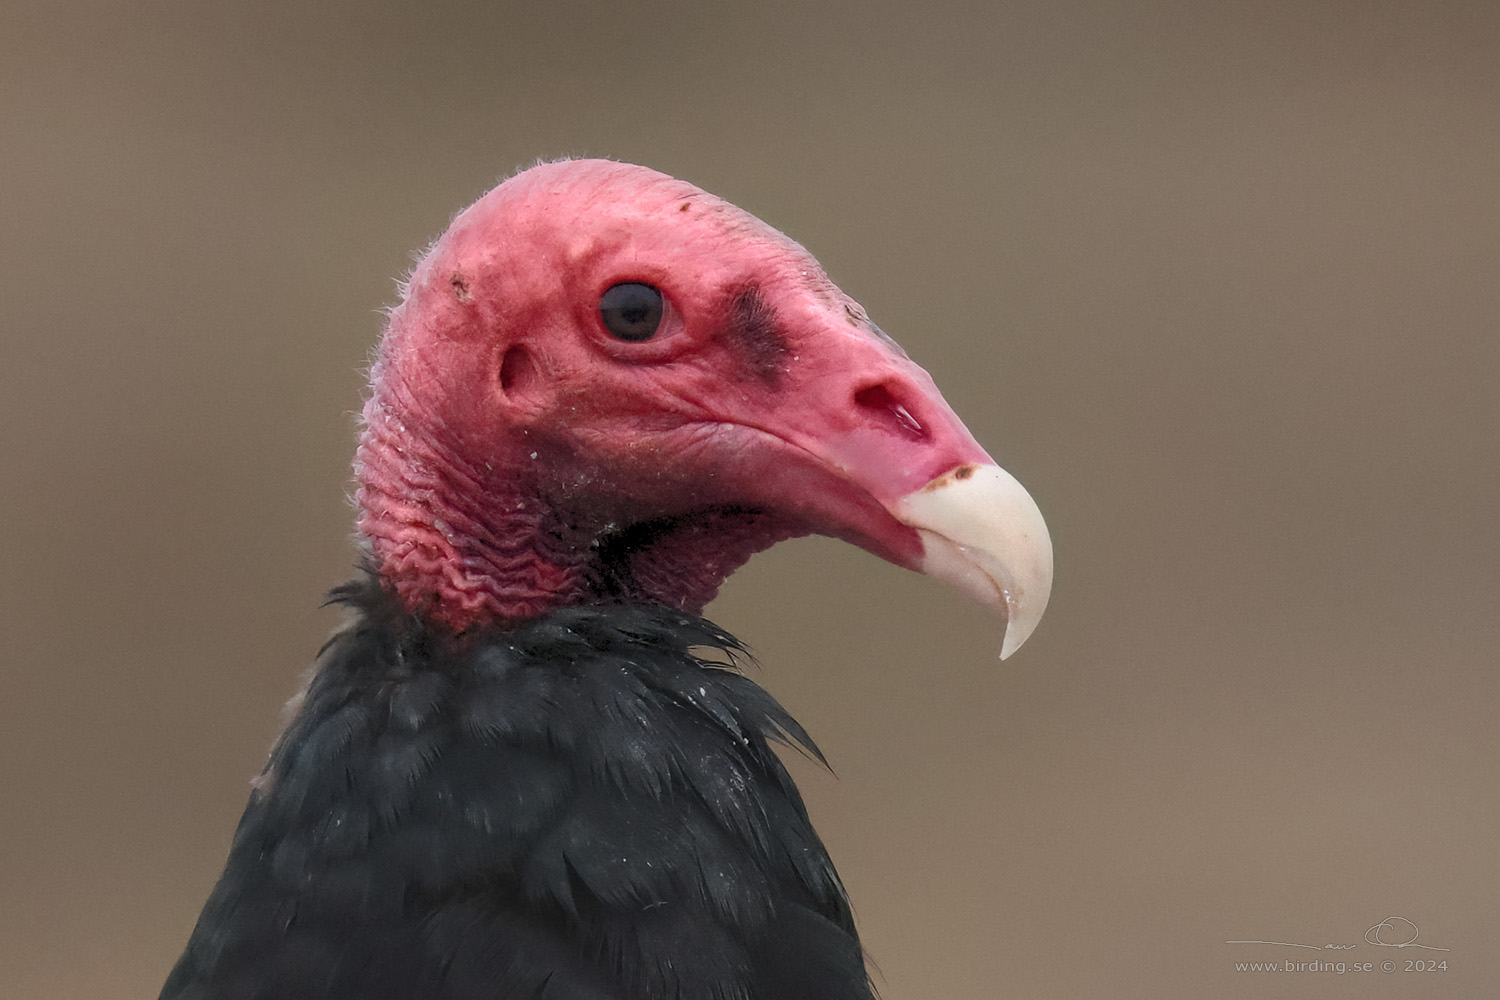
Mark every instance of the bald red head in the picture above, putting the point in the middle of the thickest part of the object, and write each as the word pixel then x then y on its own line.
pixel 533 438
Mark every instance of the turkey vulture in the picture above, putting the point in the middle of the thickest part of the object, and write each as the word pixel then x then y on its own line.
pixel 526 767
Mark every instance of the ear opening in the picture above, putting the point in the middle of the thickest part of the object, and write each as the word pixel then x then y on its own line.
pixel 517 371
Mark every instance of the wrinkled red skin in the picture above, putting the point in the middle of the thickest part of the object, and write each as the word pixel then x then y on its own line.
pixel 509 437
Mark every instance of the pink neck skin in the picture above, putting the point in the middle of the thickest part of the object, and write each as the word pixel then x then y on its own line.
pixel 466 546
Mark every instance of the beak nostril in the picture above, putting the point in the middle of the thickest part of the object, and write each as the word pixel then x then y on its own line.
pixel 880 399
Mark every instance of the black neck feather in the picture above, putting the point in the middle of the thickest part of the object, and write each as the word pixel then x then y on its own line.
pixel 584 805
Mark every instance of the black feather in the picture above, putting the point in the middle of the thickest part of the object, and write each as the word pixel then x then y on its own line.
pixel 585 806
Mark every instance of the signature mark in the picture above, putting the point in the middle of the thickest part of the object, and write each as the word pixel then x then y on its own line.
pixel 1392 932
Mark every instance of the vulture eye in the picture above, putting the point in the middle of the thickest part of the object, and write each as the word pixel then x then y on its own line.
pixel 631 310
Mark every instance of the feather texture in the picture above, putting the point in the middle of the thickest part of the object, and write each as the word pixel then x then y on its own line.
pixel 584 806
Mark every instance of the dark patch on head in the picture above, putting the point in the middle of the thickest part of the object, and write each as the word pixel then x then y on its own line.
pixel 749 323
pixel 964 471
pixel 684 206
pixel 460 286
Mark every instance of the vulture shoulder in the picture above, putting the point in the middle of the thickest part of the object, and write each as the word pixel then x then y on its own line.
pixel 587 806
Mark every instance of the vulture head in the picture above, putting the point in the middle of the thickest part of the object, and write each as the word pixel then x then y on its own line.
pixel 605 385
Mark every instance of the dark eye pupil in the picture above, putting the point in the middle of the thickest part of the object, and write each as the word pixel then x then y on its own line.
pixel 630 310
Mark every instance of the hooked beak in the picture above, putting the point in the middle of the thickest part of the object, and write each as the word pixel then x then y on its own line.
pixel 983 534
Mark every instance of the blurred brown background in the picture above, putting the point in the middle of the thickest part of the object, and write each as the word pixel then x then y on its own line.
pixel 1218 282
